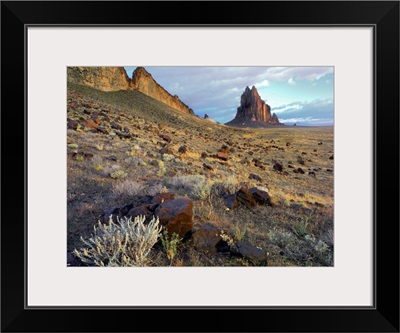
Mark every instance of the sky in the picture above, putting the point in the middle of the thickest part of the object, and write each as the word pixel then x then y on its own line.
pixel 301 95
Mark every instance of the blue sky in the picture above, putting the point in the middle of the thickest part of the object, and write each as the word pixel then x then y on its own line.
pixel 302 95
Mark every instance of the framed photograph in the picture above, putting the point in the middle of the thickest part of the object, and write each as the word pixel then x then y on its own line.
pixel 236 162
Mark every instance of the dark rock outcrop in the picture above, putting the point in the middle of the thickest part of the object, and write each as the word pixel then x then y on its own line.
pixel 253 111
pixel 250 252
pixel 207 238
pixel 175 215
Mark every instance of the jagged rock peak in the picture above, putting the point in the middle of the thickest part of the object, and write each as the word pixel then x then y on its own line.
pixel 253 108
pixel 144 82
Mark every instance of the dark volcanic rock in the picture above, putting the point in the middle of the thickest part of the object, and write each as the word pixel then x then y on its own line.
pixel 207 238
pixel 278 167
pixel 176 215
pixel 72 124
pixel 299 170
pixel 260 196
pixel 255 177
pixel 249 252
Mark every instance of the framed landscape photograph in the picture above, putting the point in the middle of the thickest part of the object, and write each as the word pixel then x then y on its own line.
pixel 182 168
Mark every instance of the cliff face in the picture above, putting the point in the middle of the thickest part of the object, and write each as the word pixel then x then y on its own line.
pixel 115 78
pixel 144 82
pixel 101 78
pixel 253 111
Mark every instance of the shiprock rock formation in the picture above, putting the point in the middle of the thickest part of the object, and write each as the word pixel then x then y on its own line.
pixel 253 111
pixel 116 78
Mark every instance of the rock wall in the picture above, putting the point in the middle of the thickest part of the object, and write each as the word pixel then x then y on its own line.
pixel 115 79
pixel 101 78
pixel 144 82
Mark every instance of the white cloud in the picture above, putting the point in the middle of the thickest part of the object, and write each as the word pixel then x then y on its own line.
pixel 291 81
pixel 264 83
pixel 300 73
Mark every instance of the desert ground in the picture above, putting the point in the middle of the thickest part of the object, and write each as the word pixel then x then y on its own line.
pixel 121 145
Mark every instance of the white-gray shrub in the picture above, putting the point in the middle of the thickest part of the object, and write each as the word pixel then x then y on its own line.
pixel 123 244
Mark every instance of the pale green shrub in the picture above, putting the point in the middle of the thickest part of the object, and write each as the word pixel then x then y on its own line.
pixel 239 232
pixel 170 244
pixel 195 186
pixel 125 244
pixel 127 188
pixel 168 158
pixel 118 174
pixel 73 146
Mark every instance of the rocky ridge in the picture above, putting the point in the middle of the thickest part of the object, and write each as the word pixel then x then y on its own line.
pixel 116 79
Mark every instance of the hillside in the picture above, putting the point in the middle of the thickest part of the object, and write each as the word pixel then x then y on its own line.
pixel 124 145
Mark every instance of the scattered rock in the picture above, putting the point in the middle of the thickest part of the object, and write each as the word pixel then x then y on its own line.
pixel 278 167
pixel 311 173
pixel 319 143
pixel 116 126
pixel 113 158
pixel 165 137
pixel 255 177
pixel 222 156
pixel 166 150
pixel 331 157
pixel 123 135
pixel 208 167
pixel 260 195
pixel 207 238
pixel 257 162
pixel 287 144
pixel 102 130
pixel 182 149
pixel 250 252
pixel 300 160
pixel 299 170
pixel 89 123
pixel 176 215
pixel 224 149
pixel 72 124
pixel 245 160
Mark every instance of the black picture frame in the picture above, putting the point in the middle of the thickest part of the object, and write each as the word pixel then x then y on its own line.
pixel 383 316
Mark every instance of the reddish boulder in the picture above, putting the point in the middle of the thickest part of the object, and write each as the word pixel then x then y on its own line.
pixel 207 238
pixel 222 156
pixel 89 123
pixel 176 215
pixel 245 198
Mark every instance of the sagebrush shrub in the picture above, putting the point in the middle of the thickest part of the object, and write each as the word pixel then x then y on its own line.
pixel 195 186
pixel 118 174
pixel 123 244
pixel 127 188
